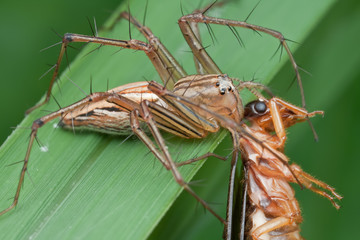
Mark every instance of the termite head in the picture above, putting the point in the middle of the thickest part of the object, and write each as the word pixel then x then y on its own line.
pixel 258 112
pixel 215 91
pixel 264 112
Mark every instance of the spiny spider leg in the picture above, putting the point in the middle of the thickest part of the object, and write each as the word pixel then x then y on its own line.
pixel 166 57
pixel 140 109
pixel 175 118
pixel 207 62
pixel 130 44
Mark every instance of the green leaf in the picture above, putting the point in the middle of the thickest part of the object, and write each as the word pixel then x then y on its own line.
pixel 92 186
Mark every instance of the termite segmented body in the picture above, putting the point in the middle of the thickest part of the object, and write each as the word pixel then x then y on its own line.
pixel 272 211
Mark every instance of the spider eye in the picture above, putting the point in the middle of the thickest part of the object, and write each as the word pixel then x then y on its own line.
pixel 260 107
pixel 217 84
pixel 229 89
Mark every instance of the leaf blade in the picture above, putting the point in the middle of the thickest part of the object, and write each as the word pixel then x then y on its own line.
pixel 86 174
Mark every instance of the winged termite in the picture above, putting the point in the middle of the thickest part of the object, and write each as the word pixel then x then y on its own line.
pixel 269 208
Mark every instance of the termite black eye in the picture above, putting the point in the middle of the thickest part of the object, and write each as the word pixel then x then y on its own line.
pixel 255 109
pixel 260 107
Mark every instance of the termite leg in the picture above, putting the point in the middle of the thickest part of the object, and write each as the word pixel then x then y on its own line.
pixel 206 60
pixel 300 112
pixel 271 225
pixel 278 122
pixel 307 180
pixel 300 115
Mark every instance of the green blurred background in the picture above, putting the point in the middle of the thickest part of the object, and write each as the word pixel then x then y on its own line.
pixel 331 53
pixel 26 28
